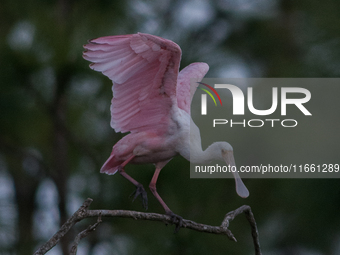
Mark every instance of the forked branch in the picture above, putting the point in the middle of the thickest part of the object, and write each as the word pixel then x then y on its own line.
pixel 83 213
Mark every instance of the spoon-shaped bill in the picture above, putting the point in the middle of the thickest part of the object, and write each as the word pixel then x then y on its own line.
pixel 241 189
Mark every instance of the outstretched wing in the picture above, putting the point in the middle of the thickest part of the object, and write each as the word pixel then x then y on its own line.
pixel 187 83
pixel 144 70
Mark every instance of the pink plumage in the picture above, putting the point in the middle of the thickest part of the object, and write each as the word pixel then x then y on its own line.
pixel 143 69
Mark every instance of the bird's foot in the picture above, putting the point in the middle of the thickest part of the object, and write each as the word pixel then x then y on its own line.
pixel 175 219
pixel 140 191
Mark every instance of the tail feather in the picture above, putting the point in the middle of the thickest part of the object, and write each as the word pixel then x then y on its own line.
pixel 111 165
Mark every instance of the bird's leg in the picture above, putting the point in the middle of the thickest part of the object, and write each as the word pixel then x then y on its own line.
pixel 140 191
pixel 176 219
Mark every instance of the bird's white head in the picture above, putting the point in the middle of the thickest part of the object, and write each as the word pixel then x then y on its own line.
pixel 222 151
pixel 227 153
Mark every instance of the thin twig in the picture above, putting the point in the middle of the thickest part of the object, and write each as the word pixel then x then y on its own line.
pixel 83 213
pixel 251 219
pixel 83 234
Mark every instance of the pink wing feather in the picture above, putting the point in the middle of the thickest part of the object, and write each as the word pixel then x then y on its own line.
pixel 144 70
pixel 187 83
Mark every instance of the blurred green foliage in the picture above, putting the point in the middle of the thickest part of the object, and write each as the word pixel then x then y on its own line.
pixel 55 133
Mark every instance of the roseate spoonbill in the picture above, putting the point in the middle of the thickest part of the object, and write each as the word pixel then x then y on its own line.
pixel 151 100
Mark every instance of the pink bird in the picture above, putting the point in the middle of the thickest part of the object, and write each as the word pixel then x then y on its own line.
pixel 151 100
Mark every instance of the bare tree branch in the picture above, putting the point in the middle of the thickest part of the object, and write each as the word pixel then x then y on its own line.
pixel 77 216
pixel 83 213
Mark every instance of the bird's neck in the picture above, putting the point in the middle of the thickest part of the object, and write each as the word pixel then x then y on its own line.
pixel 209 154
